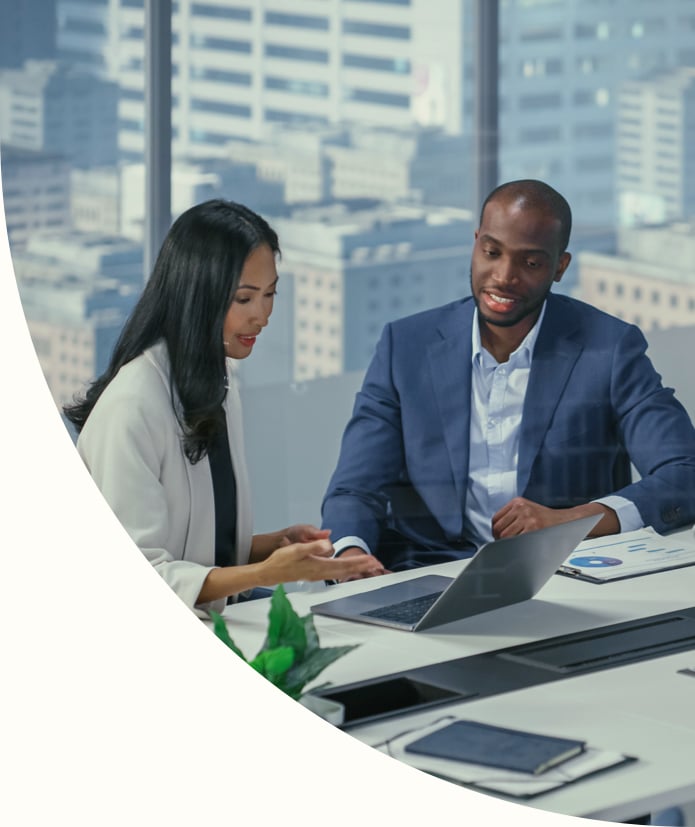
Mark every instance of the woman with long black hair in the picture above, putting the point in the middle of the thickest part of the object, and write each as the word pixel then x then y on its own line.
pixel 160 430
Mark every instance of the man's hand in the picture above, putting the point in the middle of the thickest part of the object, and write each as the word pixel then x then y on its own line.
pixel 520 515
pixel 373 569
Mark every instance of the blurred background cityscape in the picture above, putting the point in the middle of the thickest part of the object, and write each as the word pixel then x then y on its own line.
pixel 350 125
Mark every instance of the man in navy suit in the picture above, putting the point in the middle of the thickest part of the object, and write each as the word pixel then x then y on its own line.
pixel 508 410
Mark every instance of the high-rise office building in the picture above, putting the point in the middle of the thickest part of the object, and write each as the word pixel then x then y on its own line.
pixel 77 291
pixel 355 266
pixel 239 68
pixel 27 31
pixel 36 192
pixel 562 63
pixel 649 281
pixel 52 106
pixel 655 175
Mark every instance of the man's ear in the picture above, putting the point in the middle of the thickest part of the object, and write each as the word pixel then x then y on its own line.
pixel 562 265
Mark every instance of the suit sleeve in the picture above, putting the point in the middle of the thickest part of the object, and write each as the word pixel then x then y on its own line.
pixel 125 450
pixel 371 455
pixel 658 435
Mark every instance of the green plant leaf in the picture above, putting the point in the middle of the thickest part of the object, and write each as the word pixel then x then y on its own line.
pixel 285 627
pixel 220 628
pixel 274 663
pixel 306 670
pixel 312 638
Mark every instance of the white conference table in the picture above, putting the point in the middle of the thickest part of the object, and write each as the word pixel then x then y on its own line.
pixel 645 709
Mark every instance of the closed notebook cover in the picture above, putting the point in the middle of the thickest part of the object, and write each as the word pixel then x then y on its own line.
pixel 509 749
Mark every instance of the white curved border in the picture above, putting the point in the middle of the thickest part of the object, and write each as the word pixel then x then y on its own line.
pixel 119 706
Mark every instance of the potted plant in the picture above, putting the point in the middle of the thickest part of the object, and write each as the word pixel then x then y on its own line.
pixel 291 655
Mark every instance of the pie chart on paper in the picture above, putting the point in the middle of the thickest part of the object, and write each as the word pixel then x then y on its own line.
pixel 595 562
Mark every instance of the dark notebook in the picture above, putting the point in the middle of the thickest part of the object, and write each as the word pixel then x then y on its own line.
pixel 509 749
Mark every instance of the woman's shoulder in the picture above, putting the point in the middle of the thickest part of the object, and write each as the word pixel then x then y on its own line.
pixel 139 392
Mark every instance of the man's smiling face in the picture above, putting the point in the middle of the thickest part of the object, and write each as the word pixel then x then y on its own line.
pixel 516 258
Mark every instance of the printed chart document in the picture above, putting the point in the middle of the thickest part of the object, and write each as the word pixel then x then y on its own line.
pixel 631 554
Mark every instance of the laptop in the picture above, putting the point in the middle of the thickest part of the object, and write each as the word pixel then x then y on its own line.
pixel 500 573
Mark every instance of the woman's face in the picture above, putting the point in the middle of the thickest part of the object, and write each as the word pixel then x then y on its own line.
pixel 251 304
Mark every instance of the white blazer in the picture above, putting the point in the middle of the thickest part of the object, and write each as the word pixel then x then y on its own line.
pixel 132 446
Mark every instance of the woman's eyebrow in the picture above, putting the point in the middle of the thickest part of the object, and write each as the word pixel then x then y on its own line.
pixel 252 287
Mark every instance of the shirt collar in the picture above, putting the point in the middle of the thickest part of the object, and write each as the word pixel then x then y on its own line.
pixel 526 347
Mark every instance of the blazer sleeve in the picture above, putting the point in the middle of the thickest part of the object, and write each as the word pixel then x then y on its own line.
pixel 371 455
pixel 658 435
pixel 128 451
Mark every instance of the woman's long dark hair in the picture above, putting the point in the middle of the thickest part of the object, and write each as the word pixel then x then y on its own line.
pixel 184 304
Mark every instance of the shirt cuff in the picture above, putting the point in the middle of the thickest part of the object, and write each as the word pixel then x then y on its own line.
pixel 628 515
pixel 348 542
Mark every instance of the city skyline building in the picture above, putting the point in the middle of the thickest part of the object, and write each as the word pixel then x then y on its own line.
pixel 655 176
pixel 53 106
pixel 29 30
pixel 36 194
pixel 240 70
pixel 77 290
pixel 356 265
pixel 636 285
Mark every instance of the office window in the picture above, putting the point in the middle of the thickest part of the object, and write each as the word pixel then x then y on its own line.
pixel 597 163
pixel 84 26
pixel 593 130
pixel 131 125
pixel 538 67
pixel 283 116
pixel 541 33
pixel 300 21
pixel 311 88
pixel 540 135
pixel 221 107
pixel 222 44
pixel 198 136
pixel 548 100
pixel 296 53
pixel 132 95
pixel 381 98
pixel 222 12
pixel 398 66
pixel 221 76
pixel 376 29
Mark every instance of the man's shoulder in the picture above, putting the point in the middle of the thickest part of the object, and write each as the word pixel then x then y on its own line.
pixel 590 319
pixel 433 317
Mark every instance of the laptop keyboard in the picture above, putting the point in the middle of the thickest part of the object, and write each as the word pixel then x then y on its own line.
pixel 407 611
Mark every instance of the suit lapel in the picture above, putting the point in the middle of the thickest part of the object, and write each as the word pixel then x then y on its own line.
pixel 450 368
pixel 557 349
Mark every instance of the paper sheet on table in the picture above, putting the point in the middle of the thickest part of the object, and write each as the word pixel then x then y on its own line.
pixel 507 782
pixel 616 556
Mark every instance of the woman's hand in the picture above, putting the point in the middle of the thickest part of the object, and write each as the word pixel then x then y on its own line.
pixel 314 561
pixel 263 545
pixel 304 534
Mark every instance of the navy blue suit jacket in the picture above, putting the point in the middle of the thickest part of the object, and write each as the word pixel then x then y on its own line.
pixel 594 404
